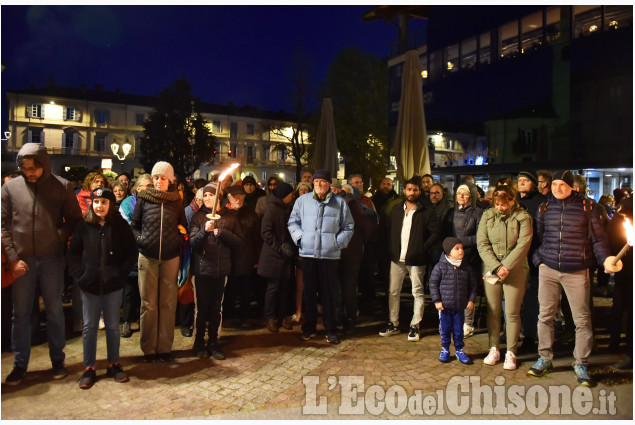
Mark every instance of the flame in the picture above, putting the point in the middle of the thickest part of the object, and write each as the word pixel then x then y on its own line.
pixel 629 231
pixel 227 171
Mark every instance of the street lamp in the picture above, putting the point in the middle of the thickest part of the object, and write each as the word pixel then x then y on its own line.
pixel 7 136
pixel 126 150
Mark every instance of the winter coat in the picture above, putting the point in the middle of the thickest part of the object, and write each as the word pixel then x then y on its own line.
pixel 321 228
pixel 84 201
pixel 252 198
pixel 127 207
pixel 505 241
pixel 463 223
pixel 211 254
pixel 274 262
pixel 380 199
pixel 531 201
pixel 245 256
pixel 565 243
pixel 362 231
pixel 37 218
pixel 100 257
pixel 453 286
pixel 424 233
pixel 155 221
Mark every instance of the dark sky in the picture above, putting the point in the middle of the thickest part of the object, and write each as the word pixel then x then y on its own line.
pixel 240 54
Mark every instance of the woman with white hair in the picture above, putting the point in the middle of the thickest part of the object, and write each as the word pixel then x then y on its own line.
pixel 159 225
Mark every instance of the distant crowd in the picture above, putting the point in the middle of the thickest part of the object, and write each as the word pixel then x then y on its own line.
pixel 149 254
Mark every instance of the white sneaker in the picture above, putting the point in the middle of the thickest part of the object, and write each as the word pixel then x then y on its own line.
pixel 493 356
pixel 510 361
pixel 468 330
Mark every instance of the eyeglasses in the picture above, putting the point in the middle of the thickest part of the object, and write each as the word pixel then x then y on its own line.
pixel 435 193
pixel 31 169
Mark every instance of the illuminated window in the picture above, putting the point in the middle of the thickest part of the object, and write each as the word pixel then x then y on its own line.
pixel 451 58
pixel 617 17
pixel 531 30
pixel 588 20
pixel 468 53
pixel 484 48
pixel 35 110
pixel 509 38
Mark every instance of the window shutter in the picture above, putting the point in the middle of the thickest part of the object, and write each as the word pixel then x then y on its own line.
pixel 75 141
pixel 95 142
pixel 42 138
pixel 78 115
pixel 29 136
pixel 63 140
pixel 42 113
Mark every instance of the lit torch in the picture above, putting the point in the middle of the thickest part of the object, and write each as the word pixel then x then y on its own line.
pixel 629 241
pixel 224 174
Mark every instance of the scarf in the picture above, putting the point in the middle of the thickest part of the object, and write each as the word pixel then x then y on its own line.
pixel 456 263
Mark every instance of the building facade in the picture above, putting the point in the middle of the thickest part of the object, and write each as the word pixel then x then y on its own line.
pixel 79 126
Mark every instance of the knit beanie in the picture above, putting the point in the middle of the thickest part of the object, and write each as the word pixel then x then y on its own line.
pixel 236 190
pixel 102 192
pixel 165 169
pixel 336 183
pixel 530 176
pixel 282 190
pixel 322 174
pixel 250 180
pixel 307 184
pixel 565 176
pixel 464 187
pixel 210 188
pixel 449 244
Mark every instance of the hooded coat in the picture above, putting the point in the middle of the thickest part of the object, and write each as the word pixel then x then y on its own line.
pixel 37 218
pixel 273 262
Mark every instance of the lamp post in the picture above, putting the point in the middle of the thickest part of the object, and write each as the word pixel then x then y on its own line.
pixel 125 148
pixel 7 136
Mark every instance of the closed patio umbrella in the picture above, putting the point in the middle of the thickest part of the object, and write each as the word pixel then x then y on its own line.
pixel 325 154
pixel 411 147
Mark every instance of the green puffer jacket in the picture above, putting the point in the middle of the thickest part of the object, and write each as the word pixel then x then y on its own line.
pixel 505 241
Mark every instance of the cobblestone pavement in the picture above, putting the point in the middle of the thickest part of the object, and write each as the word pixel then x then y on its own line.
pixel 262 377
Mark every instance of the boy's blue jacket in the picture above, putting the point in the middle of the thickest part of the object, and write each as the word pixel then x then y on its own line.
pixel 453 286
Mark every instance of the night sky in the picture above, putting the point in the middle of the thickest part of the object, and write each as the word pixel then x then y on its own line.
pixel 239 54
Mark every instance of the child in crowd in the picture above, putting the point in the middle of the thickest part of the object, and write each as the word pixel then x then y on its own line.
pixel 453 289
pixel 101 254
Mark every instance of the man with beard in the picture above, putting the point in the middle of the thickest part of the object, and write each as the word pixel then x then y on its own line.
pixel 414 229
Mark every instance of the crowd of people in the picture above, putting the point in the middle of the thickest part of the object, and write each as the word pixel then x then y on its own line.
pixel 168 252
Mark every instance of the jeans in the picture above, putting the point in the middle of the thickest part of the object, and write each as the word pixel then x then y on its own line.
pixel 319 275
pixel 397 274
pixel 47 274
pixel 451 323
pixel 93 306
pixel 578 289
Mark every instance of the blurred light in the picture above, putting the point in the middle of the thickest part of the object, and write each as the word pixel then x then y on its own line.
pixel 479 160
pixel 450 65
pixel 424 74
pixel 593 28
pixel 613 25
pixel 609 175
pixel 52 103
pixel 106 163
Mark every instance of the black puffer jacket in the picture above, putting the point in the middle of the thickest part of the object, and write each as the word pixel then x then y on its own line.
pixel 246 255
pixel 453 286
pixel 155 223
pixel 424 233
pixel 464 224
pixel 565 244
pixel 211 254
pixel 100 258
pixel 531 201
pixel 274 231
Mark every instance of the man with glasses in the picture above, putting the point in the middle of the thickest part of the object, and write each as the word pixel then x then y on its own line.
pixel 39 212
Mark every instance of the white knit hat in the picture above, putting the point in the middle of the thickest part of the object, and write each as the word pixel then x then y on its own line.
pixel 165 169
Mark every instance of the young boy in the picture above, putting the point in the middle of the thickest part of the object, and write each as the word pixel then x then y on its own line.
pixel 452 289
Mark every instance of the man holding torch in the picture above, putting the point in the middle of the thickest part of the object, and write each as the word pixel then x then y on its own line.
pixel 570 232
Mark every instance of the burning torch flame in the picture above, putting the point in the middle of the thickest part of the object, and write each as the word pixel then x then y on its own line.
pixel 629 231
pixel 224 174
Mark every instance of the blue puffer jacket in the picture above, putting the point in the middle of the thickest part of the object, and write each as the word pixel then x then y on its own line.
pixel 453 286
pixel 565 244
pixel 321 228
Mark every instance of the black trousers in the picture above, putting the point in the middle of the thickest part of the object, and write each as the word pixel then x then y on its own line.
pixel 131 299
pixel 277 298
pixel 319 275
pixel 347 273
pixel 208 296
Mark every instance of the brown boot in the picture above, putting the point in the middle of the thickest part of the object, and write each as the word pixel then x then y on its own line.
pixel 272 325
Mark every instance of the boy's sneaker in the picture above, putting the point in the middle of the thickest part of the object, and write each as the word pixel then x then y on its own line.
pixel 333 339
pixel 59 371
pixel 15 377
pixel 582 373
pixel 88 378
pixel 540 367
pixel 115 371
pixel 468 330
pixel 493 356
pixel 413 335
pixel 199 349
pixel 462 357
pixel 444 355
pixel 389 330
pixel 510 361
pixel 306 336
